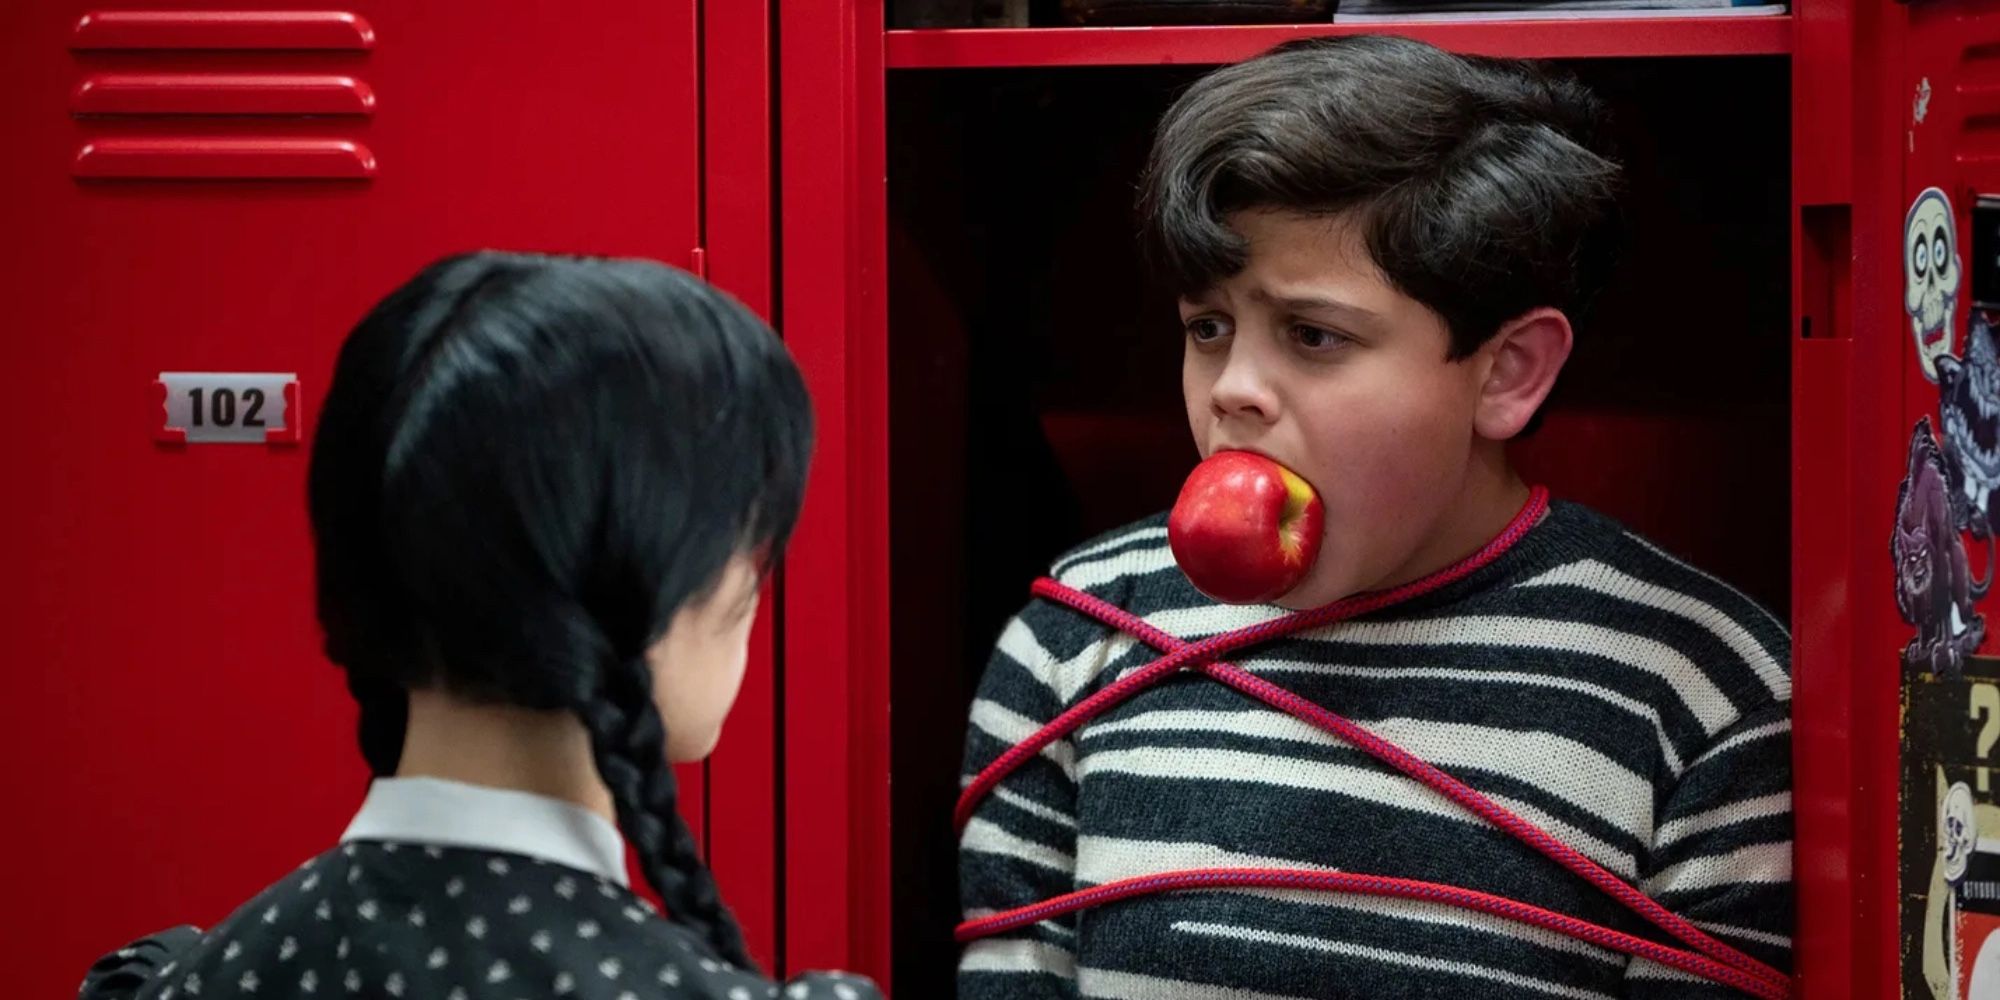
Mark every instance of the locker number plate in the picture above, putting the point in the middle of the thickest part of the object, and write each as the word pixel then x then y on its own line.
pixel 230 407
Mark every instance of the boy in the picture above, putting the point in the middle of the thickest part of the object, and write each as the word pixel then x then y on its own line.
pixel 1378 246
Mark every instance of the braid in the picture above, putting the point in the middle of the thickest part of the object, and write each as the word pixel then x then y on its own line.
pixel 484 532
pixel 629 742
pixel 385 712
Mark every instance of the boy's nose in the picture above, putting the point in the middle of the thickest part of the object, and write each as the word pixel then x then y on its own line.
pixel 1242 391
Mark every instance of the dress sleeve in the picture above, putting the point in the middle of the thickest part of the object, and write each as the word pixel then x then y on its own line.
pixel 123 973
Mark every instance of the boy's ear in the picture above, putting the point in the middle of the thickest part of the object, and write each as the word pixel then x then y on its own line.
pixel 1522 362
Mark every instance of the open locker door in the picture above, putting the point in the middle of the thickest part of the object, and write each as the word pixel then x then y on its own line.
pixel 1947 805
pixel 226 192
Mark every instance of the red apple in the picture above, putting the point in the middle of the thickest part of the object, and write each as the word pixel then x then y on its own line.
pixel 1245 529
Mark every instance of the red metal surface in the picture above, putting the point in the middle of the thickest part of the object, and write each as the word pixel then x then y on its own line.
pixel 1822 548
pixel 816 272
pixel 180 741
pixel 1824 544
pixel 1550 39
pixel 833 220
pixel 1822 671
pixel 1943 50
pixel 333 30
pixel 133 158
pixel 1879 436
pixel 737 256
pixel 222 94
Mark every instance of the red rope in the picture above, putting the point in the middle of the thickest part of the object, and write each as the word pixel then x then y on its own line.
pixel 1205 656
pixel 1374 885
pixel 1184 654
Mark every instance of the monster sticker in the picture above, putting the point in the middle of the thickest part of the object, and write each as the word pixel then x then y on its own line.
pixel 1930 275
pixel 1935 590
pixel 1969 405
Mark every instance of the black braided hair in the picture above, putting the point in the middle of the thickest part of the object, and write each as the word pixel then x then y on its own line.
pixel 628 742
pixel 524 467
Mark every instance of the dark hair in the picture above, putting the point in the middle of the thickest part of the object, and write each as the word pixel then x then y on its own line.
pixel 524 466
pixel 1483 186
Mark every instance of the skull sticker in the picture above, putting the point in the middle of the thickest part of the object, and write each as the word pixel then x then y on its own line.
pixel 1958 830
pixel 1930 275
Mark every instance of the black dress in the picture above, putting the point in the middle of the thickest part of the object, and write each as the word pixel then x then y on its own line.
pixel 382 918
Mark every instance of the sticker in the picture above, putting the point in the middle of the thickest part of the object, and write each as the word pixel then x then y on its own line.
pixel 229 407
pixel 1920 106
pixel 1969 408
pixel 1934 585
pixel 1930 275
pixel 1958 831
pixel 1979 936
pixel 1949 843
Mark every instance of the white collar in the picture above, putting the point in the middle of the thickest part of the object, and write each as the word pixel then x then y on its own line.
pixel 455 814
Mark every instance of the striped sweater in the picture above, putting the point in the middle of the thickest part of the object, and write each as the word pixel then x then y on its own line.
pixel 1633 707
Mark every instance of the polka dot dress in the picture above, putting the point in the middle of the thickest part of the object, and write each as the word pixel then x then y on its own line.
pixel 378 919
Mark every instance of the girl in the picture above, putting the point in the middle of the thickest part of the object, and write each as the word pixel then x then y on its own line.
pixel 543 493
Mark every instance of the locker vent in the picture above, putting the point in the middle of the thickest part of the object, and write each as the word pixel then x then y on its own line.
pixel 1978 93
pixel 151 119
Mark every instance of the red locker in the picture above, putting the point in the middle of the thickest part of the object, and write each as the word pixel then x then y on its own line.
pixel 212 192
pixel 1926 746
pixel 226 191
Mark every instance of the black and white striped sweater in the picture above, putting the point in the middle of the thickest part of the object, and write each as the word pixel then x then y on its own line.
pixel 1633 707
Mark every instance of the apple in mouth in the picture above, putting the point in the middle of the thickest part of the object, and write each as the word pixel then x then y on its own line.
pixel 1246 529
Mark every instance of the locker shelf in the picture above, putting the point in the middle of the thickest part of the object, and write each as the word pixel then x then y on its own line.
pixel 946 48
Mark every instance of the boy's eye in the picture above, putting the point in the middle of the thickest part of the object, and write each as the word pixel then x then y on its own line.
pixel 1316 339
pixel 1207 329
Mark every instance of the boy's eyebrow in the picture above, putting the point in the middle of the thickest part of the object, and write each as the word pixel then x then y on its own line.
pixel 1314 303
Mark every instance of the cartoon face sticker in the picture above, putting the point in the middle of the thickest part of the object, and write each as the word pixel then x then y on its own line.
pixel 1935 590
pixel 1930 275
pixel 1958 831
